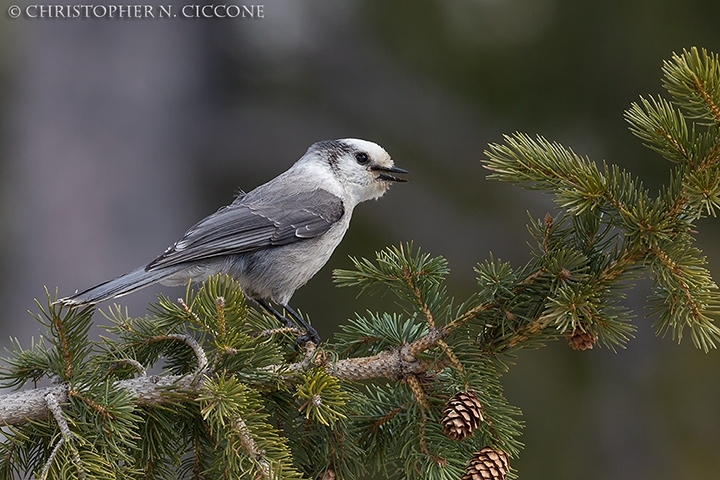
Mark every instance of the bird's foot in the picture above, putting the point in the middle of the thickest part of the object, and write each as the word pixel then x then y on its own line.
pixel 310 335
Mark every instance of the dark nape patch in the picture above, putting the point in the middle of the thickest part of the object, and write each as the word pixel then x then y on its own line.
pixel 332 150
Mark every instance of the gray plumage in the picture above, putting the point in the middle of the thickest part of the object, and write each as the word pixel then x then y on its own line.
pixel 273 239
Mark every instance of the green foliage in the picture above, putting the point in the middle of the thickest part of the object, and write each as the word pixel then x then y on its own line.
pixel 401 429
pixel 693 80
pixel 246 403
pixel 245 444
pixel 375 333
pixel 652 234
pixel 411 275
pixel 322 396
pixel 221 433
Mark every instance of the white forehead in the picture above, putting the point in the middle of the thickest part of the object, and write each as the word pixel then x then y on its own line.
pixel 376 152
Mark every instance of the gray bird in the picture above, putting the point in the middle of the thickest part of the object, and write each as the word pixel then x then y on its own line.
pixel 275 238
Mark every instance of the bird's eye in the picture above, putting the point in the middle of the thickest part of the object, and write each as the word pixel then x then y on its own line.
pixel 362 158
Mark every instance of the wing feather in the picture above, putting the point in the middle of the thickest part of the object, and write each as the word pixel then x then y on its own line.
pixel 247 226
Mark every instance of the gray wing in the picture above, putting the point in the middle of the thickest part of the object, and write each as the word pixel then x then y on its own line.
pixel 247 226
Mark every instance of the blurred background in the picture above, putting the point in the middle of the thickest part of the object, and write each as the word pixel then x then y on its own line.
pixel 117 135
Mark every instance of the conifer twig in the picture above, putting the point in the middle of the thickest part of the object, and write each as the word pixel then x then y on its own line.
pixel 53 407
pixel 135 364
pixel 190 342
pixel 51 459
pixel 189 312
pixel 275 331
pixel 250 446
pixel 454 361
pixel 220 312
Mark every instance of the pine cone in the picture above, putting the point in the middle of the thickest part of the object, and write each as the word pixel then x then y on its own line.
pixel 462 415
pixel 579 340
pixel 487 464
pixel 329 474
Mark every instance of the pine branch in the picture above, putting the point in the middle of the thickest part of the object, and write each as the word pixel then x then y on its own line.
pixel 19 408
pixel 693 79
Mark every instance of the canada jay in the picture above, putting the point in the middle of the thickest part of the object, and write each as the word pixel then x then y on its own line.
pixel 273 239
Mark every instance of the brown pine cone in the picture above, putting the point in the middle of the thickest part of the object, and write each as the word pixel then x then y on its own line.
pixel 462 415
pixel 579 340
pixel 487 464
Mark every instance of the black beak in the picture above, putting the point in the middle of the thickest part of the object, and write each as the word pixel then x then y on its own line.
pixel 386 171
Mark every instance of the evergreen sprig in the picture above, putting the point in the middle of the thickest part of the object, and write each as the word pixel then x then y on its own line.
pixel 209 387
pixel 693 80
pixel 650 233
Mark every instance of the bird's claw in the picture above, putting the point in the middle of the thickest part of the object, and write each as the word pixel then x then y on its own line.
pixel 310 335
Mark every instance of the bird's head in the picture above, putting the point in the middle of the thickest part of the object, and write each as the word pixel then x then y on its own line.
pixel 364 169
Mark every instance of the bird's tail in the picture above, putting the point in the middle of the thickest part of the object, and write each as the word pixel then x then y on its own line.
pixel 122 285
